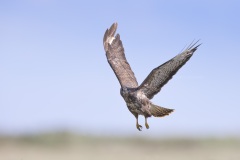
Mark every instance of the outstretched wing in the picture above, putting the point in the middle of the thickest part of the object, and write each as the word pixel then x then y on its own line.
pixel 162 74
pixel 116 58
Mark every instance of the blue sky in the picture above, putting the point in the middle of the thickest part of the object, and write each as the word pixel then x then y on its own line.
pixel 54 74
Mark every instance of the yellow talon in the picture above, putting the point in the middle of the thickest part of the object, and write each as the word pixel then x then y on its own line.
pixel 147 126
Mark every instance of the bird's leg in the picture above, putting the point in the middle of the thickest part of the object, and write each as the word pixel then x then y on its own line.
pixel 139 127
pixel 146 124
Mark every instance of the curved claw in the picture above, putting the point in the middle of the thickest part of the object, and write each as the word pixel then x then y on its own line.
pixel 139 127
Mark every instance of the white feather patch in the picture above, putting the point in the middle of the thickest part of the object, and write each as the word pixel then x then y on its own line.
pixel 110 39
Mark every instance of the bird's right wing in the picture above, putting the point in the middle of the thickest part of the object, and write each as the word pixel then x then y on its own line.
pixel 116 58
pixel 162 74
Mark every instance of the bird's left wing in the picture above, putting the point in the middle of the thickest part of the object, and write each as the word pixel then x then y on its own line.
pixel 162 74
pixel 116 58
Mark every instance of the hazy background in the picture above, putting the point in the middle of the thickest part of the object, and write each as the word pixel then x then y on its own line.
pixel 54 75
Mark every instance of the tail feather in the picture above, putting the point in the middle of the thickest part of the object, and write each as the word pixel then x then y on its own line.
pixel 158 111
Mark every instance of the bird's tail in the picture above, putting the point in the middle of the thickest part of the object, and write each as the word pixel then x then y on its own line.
pixel 158 111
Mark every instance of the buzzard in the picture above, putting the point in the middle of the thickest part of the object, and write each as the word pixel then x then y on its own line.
pixel 137 97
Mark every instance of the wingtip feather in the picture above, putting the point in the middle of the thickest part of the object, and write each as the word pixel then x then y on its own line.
pixel 193 46
pixel 113 29
pixel 109 35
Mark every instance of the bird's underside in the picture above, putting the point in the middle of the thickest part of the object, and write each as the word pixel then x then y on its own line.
pixel 137 97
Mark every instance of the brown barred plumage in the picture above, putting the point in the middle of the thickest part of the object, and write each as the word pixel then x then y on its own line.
pixel 137 98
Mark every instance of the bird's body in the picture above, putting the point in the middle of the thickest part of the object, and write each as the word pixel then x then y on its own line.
pixel 136 101
pixel 137 97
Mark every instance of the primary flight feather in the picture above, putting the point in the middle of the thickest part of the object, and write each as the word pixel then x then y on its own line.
pixel 137 97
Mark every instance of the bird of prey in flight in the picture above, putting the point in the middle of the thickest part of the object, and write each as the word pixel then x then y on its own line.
pixel 137 97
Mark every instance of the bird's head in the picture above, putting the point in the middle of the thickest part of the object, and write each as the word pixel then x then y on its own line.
pixel 124 91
